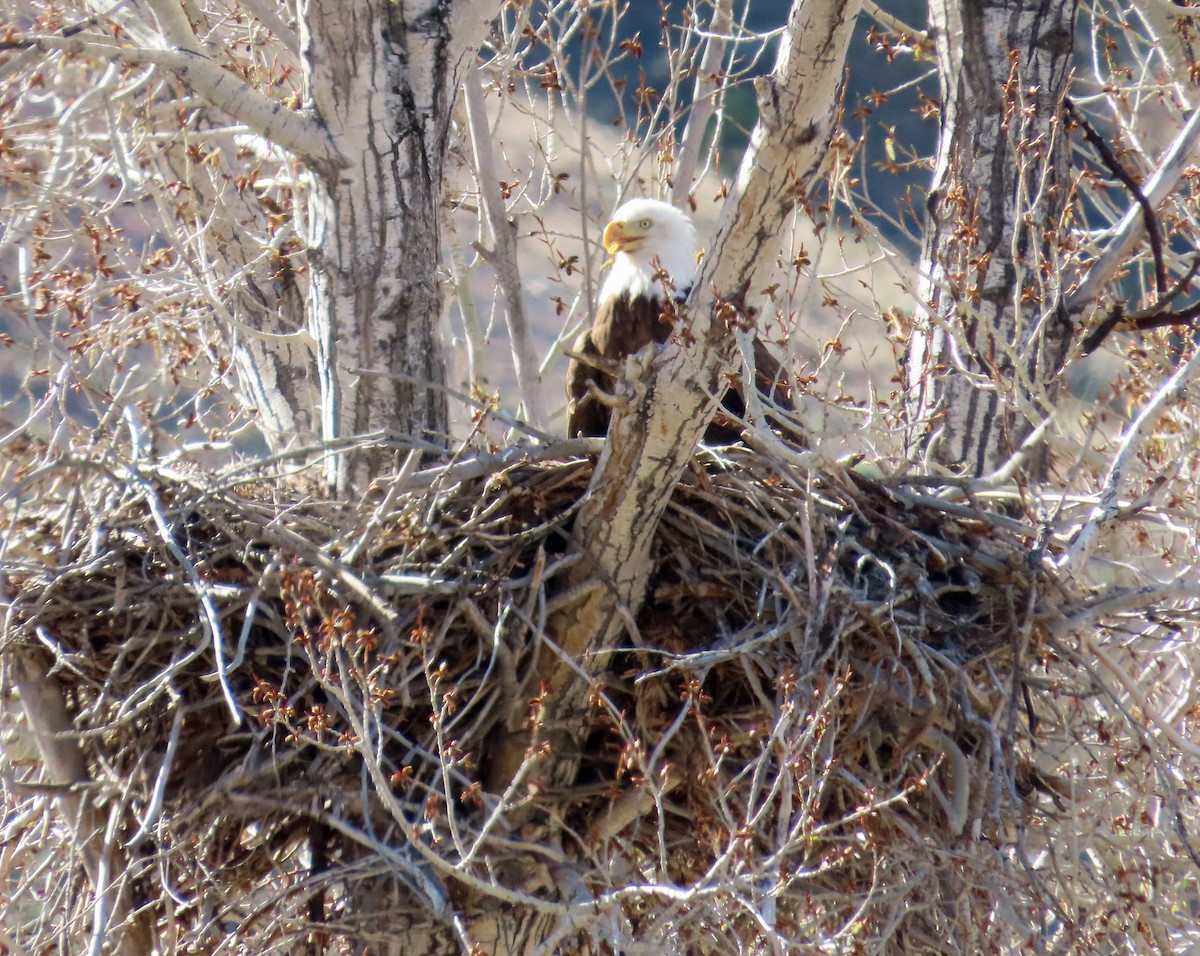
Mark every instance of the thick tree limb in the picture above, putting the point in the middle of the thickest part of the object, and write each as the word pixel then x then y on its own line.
pixel 383 77
pixel 675 388
pixel 297 131
pixel 983 360
pixel 64 764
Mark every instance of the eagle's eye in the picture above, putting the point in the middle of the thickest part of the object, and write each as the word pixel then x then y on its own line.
pixel 645 224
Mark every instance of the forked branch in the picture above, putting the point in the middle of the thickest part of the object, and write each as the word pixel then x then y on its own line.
pixel 652 437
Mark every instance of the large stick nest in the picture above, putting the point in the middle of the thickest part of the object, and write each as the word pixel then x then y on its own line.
pixel 822 729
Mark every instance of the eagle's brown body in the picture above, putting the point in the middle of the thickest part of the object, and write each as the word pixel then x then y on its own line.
pixel 625 326
pixel 621 327
pixel 648 239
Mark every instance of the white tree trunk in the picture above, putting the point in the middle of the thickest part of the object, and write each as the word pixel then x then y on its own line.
pixel 673 391
pixel 382 76
pixel 982 359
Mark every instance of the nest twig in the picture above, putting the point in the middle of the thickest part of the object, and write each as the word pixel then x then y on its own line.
pixel 821 723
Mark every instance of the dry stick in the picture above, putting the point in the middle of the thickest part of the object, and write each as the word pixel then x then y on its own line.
pixel 20 61
pixel 1155 317
pixel 477 376
pixel 67 125
pixel 1153 229
pixel 210 619
pixel 438 866
pixel 503 256
pixel 1155 189
pixel 154 809
pixel 48 720
pixel 486 463
pixel 709 84
pixel 178 32
pixel 395 484
pixel 1128 600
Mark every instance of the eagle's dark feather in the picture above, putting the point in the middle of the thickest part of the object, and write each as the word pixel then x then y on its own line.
pixel 774 385
pixel 653 246
pixel 625 325
pixel 621 326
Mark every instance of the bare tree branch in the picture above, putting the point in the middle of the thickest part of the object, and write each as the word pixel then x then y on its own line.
pixel 1170 170
pixel 674 394
pixel 296 131
pixel 710 81
pixel 503 256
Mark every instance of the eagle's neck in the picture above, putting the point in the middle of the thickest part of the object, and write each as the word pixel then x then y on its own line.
pixel 634 275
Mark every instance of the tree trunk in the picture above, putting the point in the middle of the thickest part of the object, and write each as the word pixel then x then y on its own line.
pixel 107 866
pixel 982 360
pixel 671 393
pixel 382 78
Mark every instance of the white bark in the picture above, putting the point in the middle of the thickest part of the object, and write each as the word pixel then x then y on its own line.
pixel 382 77
pixel 983 358
pixel 1108 507
pixel 707 89
pixel 272 351
pixel 670 396
pixel 296 131
pixel 671 393
pixel 675 395
pixel 503 255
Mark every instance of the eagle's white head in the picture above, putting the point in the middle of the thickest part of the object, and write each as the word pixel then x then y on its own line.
pixel 646 235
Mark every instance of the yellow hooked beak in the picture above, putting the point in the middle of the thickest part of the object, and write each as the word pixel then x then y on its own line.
pixel 619 238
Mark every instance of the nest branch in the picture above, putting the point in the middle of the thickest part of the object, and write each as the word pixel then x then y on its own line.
pixel 829 686
pixel 50 724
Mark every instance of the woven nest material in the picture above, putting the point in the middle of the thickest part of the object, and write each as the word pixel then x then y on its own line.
pixel 819 730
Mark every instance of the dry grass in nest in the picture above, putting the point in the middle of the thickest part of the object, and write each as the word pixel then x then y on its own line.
pixel 820 734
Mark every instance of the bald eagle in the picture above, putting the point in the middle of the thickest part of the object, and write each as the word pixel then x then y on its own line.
pixel 653 245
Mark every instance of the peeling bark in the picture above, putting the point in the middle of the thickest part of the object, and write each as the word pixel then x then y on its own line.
pixel 106 865
pixel 380 79
pixel 382 76
pixel 671 393
pixel 982 360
